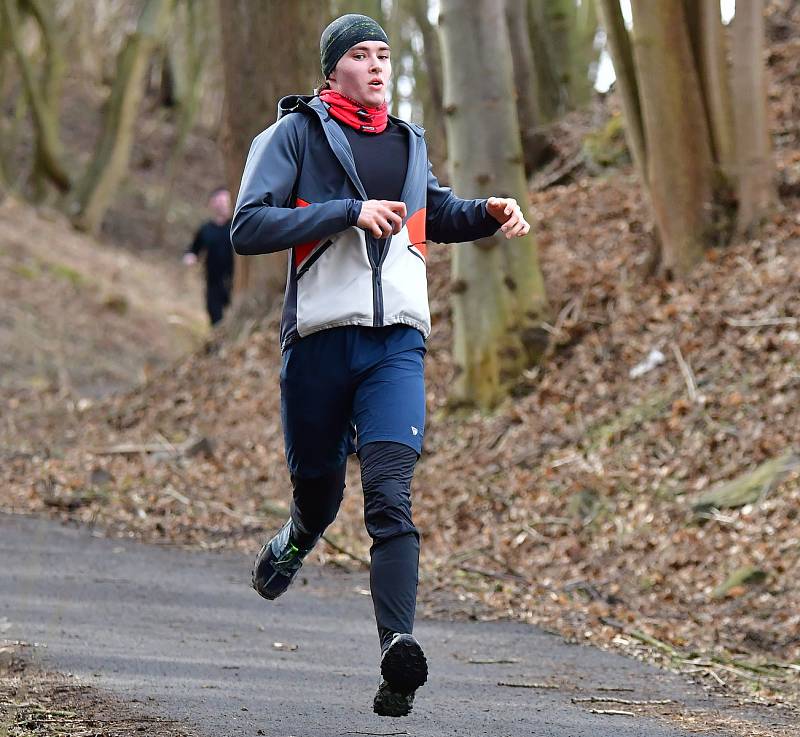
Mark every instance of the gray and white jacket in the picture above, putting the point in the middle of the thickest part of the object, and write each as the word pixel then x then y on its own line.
pixel 300 191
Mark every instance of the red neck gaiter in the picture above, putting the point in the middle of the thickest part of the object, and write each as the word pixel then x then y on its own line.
pixel 352 113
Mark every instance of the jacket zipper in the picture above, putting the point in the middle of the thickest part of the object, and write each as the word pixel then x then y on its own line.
pixel 375 263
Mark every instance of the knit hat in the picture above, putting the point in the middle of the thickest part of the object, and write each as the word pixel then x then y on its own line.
pixel 344 33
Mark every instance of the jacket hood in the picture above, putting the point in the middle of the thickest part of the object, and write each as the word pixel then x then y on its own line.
pixel 293 104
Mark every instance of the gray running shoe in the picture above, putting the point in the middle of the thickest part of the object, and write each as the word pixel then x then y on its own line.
pixel 277 564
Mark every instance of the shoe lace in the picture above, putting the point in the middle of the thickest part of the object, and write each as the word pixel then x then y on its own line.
pixel 290 560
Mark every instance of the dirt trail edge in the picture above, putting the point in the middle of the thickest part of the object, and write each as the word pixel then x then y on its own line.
pixel 182 632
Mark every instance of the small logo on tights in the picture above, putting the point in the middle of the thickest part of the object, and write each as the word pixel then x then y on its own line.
pixel 414 430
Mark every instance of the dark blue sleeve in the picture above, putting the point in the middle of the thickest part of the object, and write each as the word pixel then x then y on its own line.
pixel 264 219
pixel 449 219
pixel 198 244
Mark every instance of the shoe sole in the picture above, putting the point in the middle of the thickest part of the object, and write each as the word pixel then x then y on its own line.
pixel 387 703
pixel 404 666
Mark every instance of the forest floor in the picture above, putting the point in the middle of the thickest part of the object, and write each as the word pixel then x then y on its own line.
pixel 578 505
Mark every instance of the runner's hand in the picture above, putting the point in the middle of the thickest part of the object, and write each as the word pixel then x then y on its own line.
pixel 382 217
pixel 509 214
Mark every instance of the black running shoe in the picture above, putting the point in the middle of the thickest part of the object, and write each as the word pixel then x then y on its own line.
pixel 277 564
pixel 403 669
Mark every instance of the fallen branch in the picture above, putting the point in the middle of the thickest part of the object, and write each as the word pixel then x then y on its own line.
pixel 714 675
pixel 649 640
pixel 131 449
pixel 178 496
pixel 762 323
pixel 493 574
pixel 688 374
pixel 344 551
pixel 510 684
pixel 560 174
pixel 749 488
pixel 730 669
pixel 243 518
pixel 192 446
pixel 614 712
pixel 628 702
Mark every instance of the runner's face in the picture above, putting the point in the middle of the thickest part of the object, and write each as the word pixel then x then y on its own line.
pixel 220 204
pixel 363 73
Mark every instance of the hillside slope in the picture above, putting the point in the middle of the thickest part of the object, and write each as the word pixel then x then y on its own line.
pixel 82 318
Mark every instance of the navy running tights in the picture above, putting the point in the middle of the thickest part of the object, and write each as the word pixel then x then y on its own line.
pixel 386 472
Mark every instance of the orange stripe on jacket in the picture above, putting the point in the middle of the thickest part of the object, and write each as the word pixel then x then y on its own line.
pixel 416 231
pixel 303 251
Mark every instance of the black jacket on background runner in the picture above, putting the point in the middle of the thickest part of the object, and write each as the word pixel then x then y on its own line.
pixel 215 240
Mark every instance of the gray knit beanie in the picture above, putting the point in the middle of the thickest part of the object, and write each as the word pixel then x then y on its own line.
pixel 344 33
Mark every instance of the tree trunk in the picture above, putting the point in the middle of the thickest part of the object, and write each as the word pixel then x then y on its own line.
pixel 563 46
pixel 195 42
pixel 708 43
pixel 753 159
pixel 168 91
pixel 372 8
pixel 431 88
pixel 49 163
pixel 582 53
pixel 534 142
pixel 5 43
pixel 680 167
pixel 263 60
pixel 544 42
pixel 110 163
pixel 621 52
pixel 498 300
pixel 43 99
pixel 399 44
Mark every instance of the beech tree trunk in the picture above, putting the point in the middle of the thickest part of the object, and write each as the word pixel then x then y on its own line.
pixel 696 125
pixel 620 45
pixel 270 48
pixel 534 142
pixel 708 38
pixel 498 292
pixel 43 96
pixel 184 83
pixel 544 42
pixel 754 167
pixel 582 53
pixel 429 85
pixel 562 38
pixel 110 163
pixel 680 167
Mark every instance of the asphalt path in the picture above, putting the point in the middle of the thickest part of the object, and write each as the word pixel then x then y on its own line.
pixel 181 634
